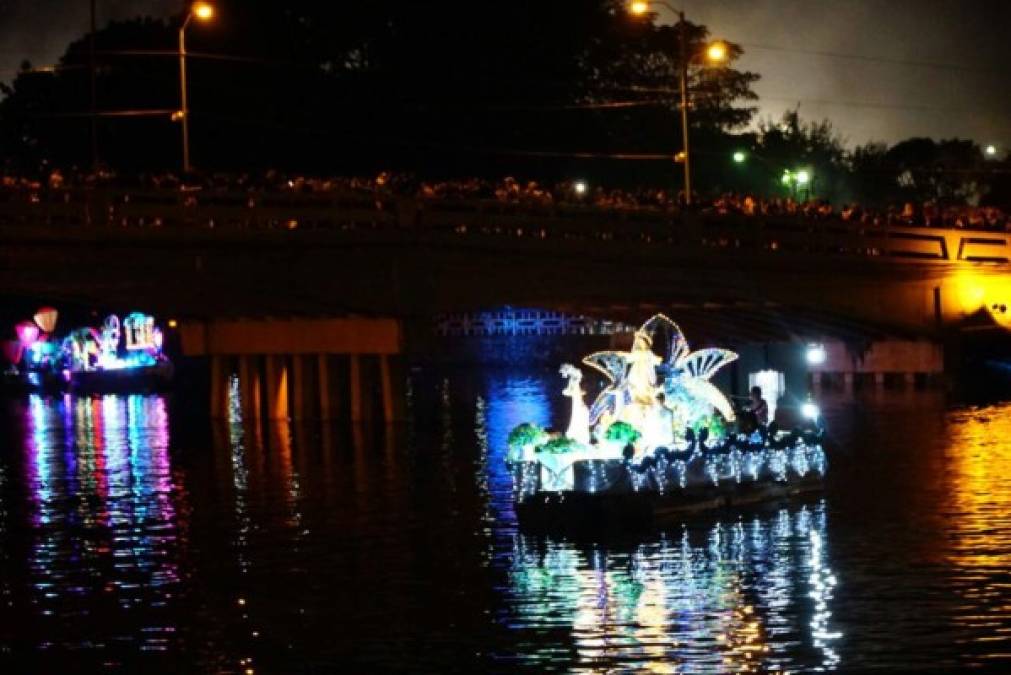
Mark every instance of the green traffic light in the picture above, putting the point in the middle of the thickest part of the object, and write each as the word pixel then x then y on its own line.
pixel 739 157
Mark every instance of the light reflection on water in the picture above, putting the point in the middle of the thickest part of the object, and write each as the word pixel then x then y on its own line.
pixel 751 594
pixel 105 543
pixel 979 501
pixel 298 548
pixel 747 595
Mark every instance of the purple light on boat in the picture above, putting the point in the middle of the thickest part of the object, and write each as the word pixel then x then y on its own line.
pixel 28 332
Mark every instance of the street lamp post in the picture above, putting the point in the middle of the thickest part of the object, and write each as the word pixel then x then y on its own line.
pixel 202 11
pixel 682 39
pixel 717 52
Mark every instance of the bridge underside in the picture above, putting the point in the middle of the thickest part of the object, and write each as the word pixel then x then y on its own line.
pixel 206 274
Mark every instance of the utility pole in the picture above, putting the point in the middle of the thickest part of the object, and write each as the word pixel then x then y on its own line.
pixel 717 52
pixel 94 96
pixel 202 11
pixel 184 104
pixel 683 39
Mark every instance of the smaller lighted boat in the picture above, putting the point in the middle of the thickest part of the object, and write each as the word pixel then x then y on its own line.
pixel 659 439
pixel 119 357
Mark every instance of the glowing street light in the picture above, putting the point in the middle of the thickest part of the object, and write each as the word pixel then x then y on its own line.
pixel 717 52
pixel 580 187
pixel 816 354
pixel 202 11
pixel 739 157
pixel 787 177
pixel 991 150
pixel 803 177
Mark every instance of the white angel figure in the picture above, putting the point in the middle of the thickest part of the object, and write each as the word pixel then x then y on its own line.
pixel 633 373
pixel 579 420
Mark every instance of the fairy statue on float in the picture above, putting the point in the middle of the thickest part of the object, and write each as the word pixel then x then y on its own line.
pixel 660 396
pixel 657 434
pixel 650 399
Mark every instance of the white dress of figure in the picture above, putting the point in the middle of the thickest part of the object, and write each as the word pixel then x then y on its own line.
pixel 641 383
pixel 630 396
pixel 579 421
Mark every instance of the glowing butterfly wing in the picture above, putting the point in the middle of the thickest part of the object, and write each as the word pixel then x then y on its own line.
pixel 605 403
pixel 678 343
pixel 703 390
pixel 705 362
pixel 656 321
pixel 614 365
pixel 678 350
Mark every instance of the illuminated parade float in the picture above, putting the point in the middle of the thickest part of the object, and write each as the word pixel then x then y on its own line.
pixel 660 437
pixel 120 356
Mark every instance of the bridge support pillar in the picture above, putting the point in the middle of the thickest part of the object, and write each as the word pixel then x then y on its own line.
pixel 277 388
pixel 348 366
pixel 297 388
pixel 393 383
pixel 249 386
pixel 885 362
pixel 365 386
pixel 358 396
pixel 327 391
pixel 221 373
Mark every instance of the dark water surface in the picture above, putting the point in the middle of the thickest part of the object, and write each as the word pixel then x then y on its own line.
pixel 132 543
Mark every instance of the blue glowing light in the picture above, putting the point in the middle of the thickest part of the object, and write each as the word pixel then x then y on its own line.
pixel 132 360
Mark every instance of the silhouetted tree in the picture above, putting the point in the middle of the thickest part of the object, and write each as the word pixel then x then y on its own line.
pixel 359 86
pixel 793 144
pixel 919 170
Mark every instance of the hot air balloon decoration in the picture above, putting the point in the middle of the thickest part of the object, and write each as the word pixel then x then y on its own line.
pixel 46 318
pixel 28 332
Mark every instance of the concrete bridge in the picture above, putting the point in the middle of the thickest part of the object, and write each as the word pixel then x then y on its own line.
pixel 220 254
pixel 210 257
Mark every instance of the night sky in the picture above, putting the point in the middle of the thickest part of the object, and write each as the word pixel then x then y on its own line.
pixel 872 97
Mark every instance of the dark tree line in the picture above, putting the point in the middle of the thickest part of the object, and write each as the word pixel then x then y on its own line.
pixel 444 88
pixel 360 86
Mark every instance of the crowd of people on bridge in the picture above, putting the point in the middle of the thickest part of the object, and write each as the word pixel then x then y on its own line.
pixel 509 190
pixel 927 214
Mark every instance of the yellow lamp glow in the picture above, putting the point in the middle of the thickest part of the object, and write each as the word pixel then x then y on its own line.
pixel 639 7
pixel 976 290
pixel 717 52
pixel 203 11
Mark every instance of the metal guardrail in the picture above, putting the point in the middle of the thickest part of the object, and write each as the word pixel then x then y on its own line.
pixel 343 211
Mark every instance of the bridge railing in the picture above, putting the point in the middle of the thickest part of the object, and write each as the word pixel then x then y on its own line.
pixel 360 211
